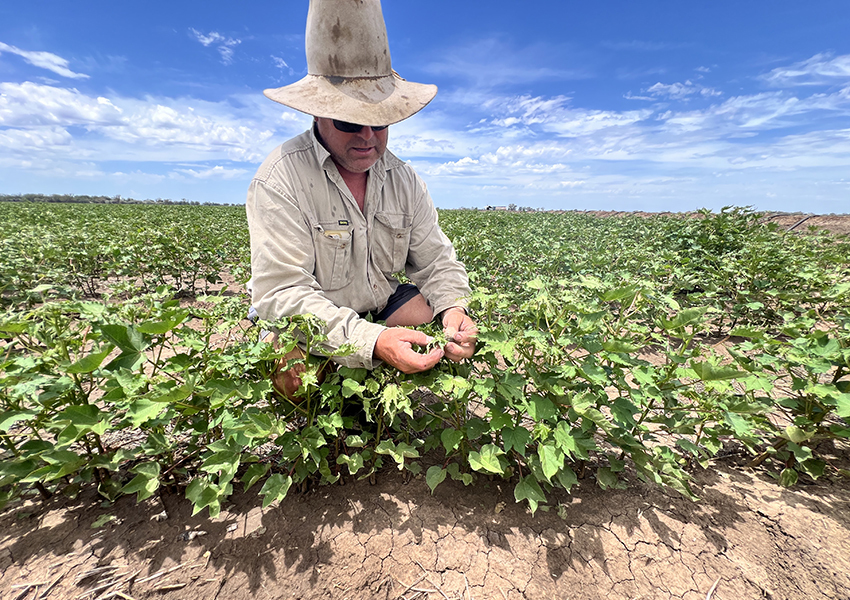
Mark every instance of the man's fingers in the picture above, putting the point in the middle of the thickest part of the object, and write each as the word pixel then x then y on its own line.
pixel 457 352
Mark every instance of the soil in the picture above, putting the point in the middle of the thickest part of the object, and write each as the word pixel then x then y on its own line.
pixel 747 537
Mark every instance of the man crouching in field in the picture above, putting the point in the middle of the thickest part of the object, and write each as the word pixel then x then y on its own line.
pixel 333 215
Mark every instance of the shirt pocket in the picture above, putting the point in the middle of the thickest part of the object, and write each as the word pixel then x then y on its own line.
pixel 332 242
pixel 391 241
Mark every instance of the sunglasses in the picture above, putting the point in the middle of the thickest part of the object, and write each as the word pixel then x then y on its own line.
pixel 346 127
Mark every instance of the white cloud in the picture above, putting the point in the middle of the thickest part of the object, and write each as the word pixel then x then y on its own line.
pixel 820 69
pixel 504 161
pixel 762 112
pixel 152 127
pixel 492 62
pixel 30 104
pixel 282 65
pixel 44 60
pixel 552 115
pixel 681 91
pixel 224 45
pixel 217 172
pixel 24 141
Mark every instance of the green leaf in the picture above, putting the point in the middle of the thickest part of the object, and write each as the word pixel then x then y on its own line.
pixel 351 388
pixel 253 474
pixel 529 490
pixel 354 462
pixel 90 362
pixel 797 435
pixel 487 460
pixel 330 423
pixel 607 478
pixel 788 477
pixel 516 438
pixel 843 408
pixel 125 337
pixel 551 459
pixel 145 483
pixel 801 453
pixel 566 478
pixel 434 476
pixel 10 417
pixel 224 463
pixel 689 316
pixel 542 409
pixel 275 488
pixel 450 439
pixel 160 327
pixel 398 451
pixel 741 426
pixel 103 520
pixel 620 346
pixel 143 410
pixel 627 292
pixel 357 441
pixel 707 372
pixel 813 468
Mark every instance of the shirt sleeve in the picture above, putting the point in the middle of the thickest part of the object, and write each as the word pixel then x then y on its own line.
pixel 282 265
pixel 432 263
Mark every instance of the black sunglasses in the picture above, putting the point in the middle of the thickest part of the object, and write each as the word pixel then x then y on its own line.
pixel 347 127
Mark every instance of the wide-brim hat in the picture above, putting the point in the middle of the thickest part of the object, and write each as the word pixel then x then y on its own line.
pixel 349 71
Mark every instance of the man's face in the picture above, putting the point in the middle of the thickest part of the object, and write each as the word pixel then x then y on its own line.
pixel 355 152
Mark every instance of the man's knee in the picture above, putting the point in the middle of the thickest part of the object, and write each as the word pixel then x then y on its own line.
pixel 287 381
pixel 412 313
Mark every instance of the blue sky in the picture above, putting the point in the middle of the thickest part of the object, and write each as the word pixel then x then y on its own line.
pixel 617 105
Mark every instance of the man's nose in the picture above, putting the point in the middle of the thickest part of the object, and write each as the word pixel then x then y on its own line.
pixel 366 133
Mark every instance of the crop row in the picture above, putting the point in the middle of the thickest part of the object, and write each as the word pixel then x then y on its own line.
pixel 607 347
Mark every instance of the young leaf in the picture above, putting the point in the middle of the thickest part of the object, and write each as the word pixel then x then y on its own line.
pixel 90 362
pixel 434 476
pixel 529 490
pixel 253 474
pixel 275 488
pixel 487 460
pixel 551 459
pixel 450 439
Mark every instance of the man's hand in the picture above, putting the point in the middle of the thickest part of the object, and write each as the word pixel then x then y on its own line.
pixel 395 347
pixel 461 332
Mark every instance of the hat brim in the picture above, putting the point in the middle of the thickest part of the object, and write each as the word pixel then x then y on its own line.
pixel 363 100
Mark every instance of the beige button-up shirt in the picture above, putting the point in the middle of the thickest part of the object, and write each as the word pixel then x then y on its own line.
pixel 314 251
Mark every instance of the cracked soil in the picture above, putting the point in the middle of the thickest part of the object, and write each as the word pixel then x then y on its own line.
pixel 747 537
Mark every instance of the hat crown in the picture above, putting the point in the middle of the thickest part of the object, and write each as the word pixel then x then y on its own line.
pixel 347 38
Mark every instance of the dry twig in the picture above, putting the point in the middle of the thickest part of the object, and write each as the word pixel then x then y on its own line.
pixel 442 593
pixel 713 588
pixel 51 586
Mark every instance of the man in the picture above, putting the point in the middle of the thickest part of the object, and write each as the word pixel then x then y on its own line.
pixel 334 216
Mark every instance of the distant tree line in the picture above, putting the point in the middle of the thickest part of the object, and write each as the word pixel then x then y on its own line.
pixel 84 199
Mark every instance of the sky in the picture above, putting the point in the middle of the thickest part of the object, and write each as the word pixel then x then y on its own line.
pixel 550 104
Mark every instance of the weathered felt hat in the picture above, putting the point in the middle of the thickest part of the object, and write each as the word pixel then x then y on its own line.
pixel 349 72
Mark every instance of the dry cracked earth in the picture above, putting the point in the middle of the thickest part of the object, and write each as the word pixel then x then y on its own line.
pixel 746 538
